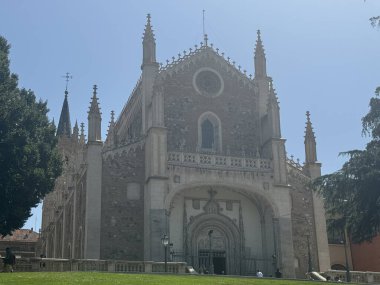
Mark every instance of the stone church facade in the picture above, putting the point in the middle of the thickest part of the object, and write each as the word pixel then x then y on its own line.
pixel 196 154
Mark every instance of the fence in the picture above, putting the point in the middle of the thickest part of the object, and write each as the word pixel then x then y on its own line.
pixel 57 265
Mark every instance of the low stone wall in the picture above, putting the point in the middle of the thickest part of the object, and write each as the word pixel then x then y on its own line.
pixel 356 276
pixel 57 265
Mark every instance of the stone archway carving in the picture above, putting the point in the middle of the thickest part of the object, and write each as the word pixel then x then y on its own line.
pixel 226 238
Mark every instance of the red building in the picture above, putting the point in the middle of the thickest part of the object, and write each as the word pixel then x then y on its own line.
pixel 366 256
pixel 22 242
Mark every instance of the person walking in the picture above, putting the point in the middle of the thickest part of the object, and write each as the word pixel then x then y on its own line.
pixel 9 260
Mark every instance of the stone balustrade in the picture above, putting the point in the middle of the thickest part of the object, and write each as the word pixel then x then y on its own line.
pixel 356 276
pixel 219 162
pixel 59 265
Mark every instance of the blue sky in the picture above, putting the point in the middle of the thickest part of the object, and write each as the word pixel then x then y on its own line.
pixel 323 56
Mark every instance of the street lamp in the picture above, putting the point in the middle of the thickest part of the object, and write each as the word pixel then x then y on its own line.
pixel 348 276
pixel 211 262
pixel 165 242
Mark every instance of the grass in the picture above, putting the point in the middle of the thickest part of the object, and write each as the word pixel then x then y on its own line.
pixel 96 278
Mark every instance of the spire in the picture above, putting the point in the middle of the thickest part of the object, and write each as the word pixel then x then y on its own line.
pixel 260 60
pixel 82 136
pixel 273 110
pixel 149 43
pixel 110 135
pixel 64 125
pixel 75 131
pixel 94 118
pixel 94 107
pixel 310 142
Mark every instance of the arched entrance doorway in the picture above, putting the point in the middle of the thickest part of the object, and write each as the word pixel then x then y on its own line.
pixel 225 230
pixel 214 242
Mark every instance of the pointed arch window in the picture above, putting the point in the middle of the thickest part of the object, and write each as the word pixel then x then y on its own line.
pixel 209 133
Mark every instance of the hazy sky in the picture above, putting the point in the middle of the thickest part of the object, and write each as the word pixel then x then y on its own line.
pixel 323 56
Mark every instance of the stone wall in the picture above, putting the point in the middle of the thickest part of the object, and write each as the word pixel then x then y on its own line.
pixel 122 205
pixel 80 213
pixel 184 105
pixel 303 223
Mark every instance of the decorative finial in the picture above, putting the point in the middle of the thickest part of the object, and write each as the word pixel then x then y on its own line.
pixel 204 30
pixel 308 116
pixel 112 116
pixel 148 32
pixel 257 152
pixel 148 19
pixel 82 136
pixel 205 39
pixel 95 88
pixel 67 77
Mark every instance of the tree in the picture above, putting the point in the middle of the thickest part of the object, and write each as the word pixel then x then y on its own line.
pixel 352 194
pixel 29 159
pixel 375 21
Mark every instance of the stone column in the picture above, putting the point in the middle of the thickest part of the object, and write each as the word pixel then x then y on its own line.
pixel 155 219
pixel 93 201
pixel 286 246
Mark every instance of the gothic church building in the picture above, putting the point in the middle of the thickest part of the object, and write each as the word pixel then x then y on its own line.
pixel 196 154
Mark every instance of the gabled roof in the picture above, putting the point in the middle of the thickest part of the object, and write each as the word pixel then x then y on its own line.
pixel 178 64
pixel 200 52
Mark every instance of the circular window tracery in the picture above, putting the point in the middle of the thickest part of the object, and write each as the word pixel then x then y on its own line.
pixel 208 82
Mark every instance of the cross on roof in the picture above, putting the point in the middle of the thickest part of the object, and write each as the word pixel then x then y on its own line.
pixel 68 77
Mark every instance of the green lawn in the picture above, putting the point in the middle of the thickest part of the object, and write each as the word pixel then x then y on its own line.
pixel 95 278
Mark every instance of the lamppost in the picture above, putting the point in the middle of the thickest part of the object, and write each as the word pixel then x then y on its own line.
pixel 310 267
pixel 348 276
pixel 171 251
pixel 165 242
pixel 211 262
pixel 345 236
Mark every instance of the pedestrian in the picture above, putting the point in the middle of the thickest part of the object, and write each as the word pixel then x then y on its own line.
pixel 278 273
pixel 9 260
pixel 259 274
